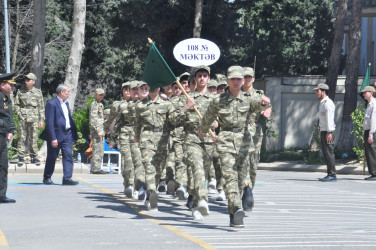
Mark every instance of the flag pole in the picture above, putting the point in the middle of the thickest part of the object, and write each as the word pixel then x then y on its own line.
pixel 181 87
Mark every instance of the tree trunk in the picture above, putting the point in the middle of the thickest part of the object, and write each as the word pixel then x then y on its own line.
pixel 77 47
pixel 345 142
pixel 334 62
pixel 38 40
pixel 336 53
pixel 198 19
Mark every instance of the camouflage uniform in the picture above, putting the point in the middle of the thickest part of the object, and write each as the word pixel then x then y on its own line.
pixel 199 152
pixel 112 134
pixel 126 126
pixel 139 171
pixel 96 120
pixel 249 177
pixel 234 139
pixel 150 130
pixel 177 137
pixel 29 108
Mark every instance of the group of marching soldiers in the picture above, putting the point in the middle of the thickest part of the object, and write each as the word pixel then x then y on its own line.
pixel 206 140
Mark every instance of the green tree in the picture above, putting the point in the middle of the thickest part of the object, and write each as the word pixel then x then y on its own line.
pixel 287 36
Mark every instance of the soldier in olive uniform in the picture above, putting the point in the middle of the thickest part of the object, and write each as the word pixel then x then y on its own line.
pixel 199 151
pixel 96 120
pixel 231 109
pixel 139 171
pixel 150 130
pixel 29 108
pixel 7 128
pixel 254 127
pixel 125 126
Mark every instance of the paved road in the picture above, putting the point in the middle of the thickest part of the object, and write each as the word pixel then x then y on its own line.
pixel 293 211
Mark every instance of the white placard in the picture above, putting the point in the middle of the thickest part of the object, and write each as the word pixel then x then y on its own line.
pixel 196 51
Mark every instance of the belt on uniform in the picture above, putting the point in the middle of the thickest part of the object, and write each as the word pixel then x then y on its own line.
pixel 232 129
pixel 154 129
pixel 128 124
pixel 29 107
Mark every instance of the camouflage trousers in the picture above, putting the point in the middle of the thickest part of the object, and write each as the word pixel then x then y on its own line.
pixel 170 161
pixel 180 166
pixel 199 160
pixel 217 169
pixel 98 152
pixel 253 157
pixel 139 171
pixel 153 153
pixel 232 166
pixel 127 168
pixel 29 129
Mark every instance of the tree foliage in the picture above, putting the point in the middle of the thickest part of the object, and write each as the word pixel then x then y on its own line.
pixel 287 36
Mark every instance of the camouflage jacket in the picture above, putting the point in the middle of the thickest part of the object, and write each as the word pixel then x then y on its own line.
pixel 28 105
pixel 114 114
pixel 125 122
pixel 231 113
pixel 191 119
pixel 152 115
pixel 96 118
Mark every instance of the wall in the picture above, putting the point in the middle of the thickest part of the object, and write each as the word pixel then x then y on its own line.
pixel 295 108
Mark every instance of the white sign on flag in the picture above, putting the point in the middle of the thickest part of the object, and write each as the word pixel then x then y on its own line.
pixel 196 51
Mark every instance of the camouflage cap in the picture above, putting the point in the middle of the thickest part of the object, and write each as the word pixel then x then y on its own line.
pixel 31 76
pixel 126 84
pixel 223 82
pixel 220 77
pixel 99 91
pixel 7 78
pixel 248 71
pixel 106 111
pixel 184 76
pixel 235 72
pixel 368 88
pixel 322 86
pixel 133 84
pixel 202 67
pixel 212 83
pixel 140 83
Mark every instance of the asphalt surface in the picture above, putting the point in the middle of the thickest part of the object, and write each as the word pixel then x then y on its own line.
pixel 293 210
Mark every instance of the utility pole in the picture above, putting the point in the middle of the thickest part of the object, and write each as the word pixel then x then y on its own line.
pixel 6 28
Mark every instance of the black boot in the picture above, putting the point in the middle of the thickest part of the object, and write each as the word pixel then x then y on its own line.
pixel 189 203
pixel 247 199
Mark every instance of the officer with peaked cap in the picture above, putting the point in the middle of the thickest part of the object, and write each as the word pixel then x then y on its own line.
pixel 7 128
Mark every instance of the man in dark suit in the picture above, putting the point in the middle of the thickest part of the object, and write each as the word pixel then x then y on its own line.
pixel 60 133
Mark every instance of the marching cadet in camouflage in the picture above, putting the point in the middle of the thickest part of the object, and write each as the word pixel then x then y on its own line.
pixel 126 126
pixel 212 86
pixel 96 120
pixel 180 182
pixel 29 107
pixel 231 109
pixel 139 171
pixel 150 130
pixel 199 151
pixel 255 130
pixel 183 79
pixel 221 86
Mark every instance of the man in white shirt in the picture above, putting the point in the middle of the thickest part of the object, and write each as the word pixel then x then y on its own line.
pixel 327 127
pixel 369 127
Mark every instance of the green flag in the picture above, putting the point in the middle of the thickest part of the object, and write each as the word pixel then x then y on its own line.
pixel 157 73
pixel 366 78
